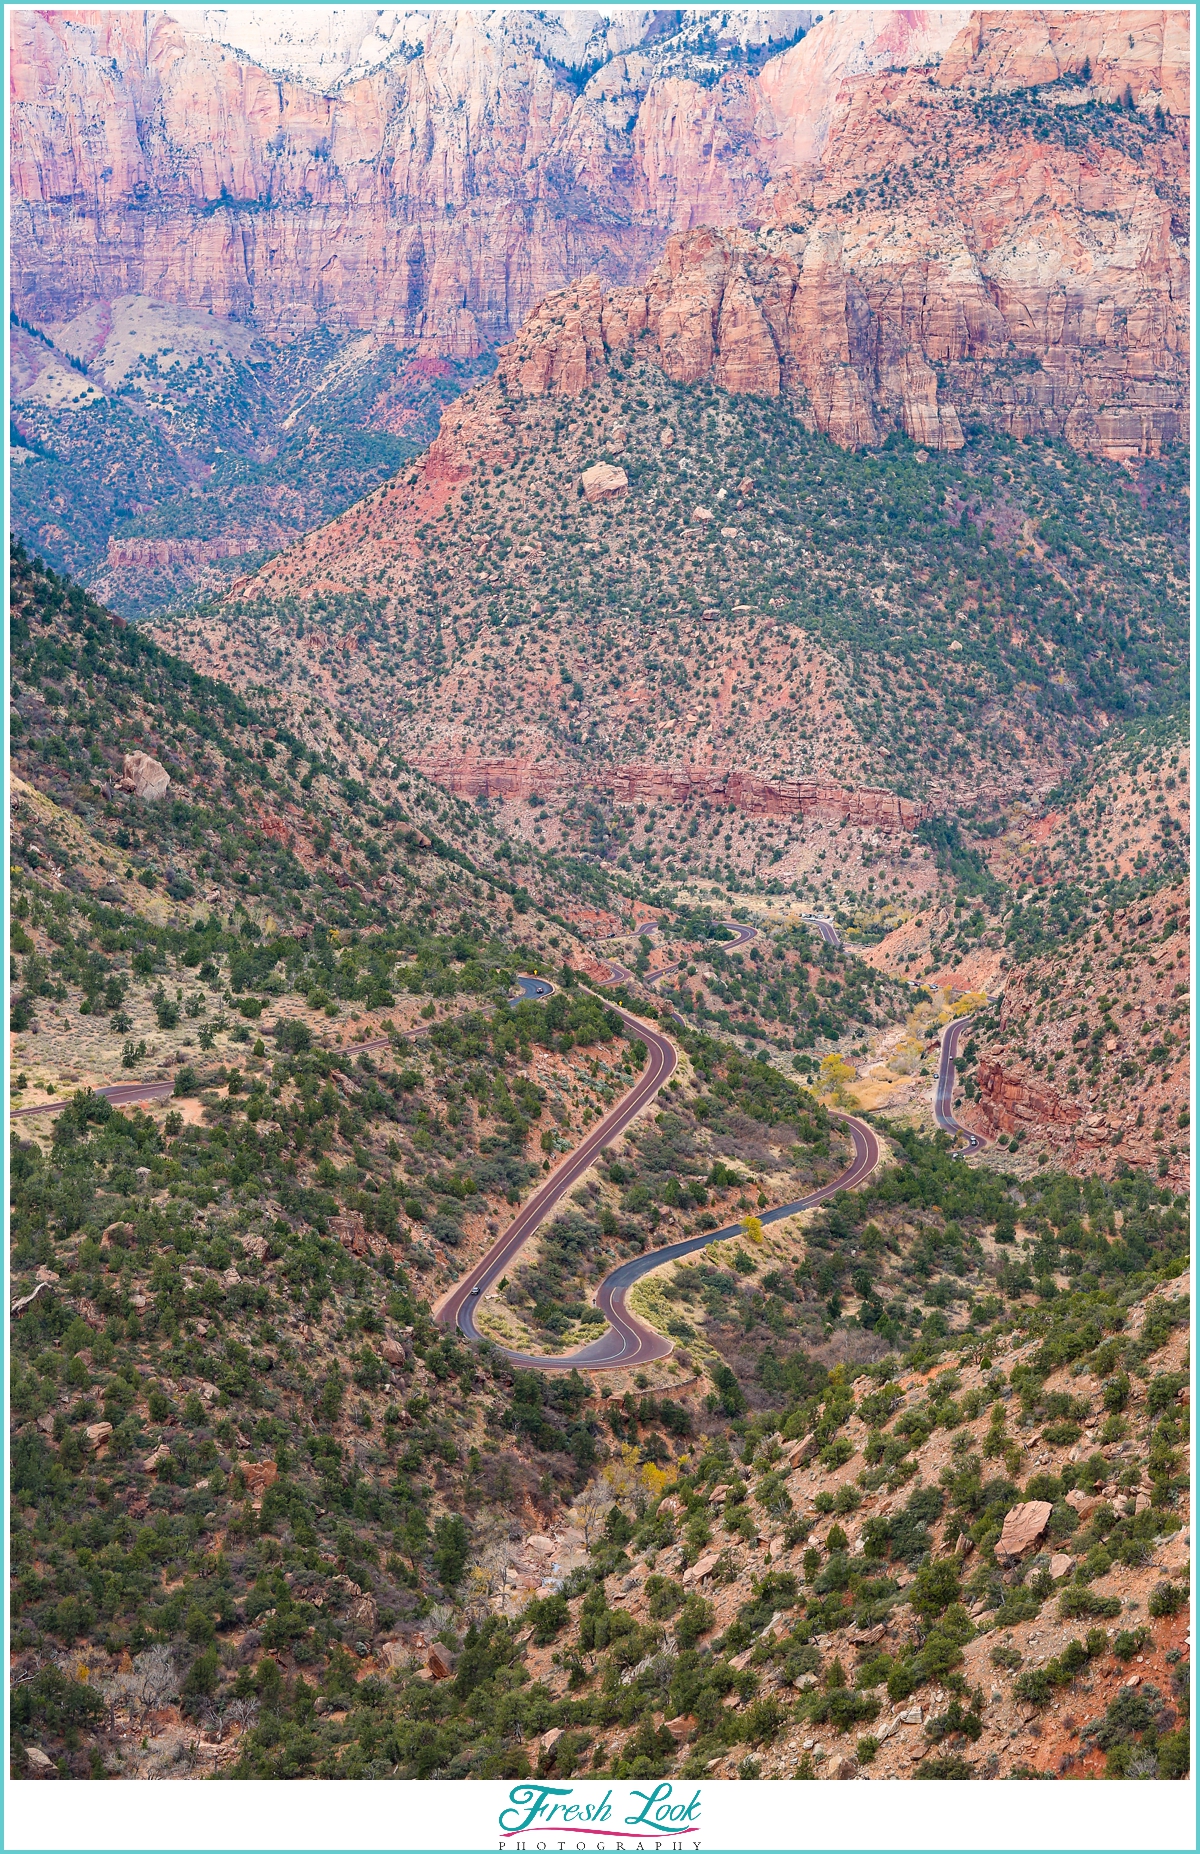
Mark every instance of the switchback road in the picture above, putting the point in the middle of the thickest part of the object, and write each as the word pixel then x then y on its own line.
pixel 457 1307
pixel 743 935
pixel 943 1086
pixel 628 1341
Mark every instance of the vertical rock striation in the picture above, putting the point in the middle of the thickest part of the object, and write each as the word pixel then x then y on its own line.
pixel 986 213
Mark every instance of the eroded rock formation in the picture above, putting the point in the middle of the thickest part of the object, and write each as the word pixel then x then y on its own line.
pixel 755 315
pixel 869 806
pixel 998 199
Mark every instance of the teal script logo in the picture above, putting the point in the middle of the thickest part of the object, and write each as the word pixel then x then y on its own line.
pixel 553 1814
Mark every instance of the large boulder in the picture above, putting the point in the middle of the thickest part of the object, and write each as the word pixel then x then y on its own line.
pixel 441 1662
pixel 351 1231
pixel 1023 1528
pixel 259 1475
pixel 145 777
pixel 703 1567
pixel 604 481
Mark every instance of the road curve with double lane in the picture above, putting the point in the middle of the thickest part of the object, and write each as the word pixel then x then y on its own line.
pixel 628 1340
pixel 456 1309
pixel 943 1086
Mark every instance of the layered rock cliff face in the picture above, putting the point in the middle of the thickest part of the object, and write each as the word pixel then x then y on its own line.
pixel 436 197
pixel 995 201
pixel 753 313
pixel 868 807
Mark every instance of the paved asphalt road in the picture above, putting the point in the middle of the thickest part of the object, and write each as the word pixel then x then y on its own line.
pixel 742 937
pixel 943 1087
pixel 826 929
pixel 457 1308
pixel 121 1094
pixel 533 987
pixel 628 1340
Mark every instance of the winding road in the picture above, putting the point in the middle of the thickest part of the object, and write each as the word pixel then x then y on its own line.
pixel 621 975
pixel 121 1094
pixel 943 1086
pixel 742 936
pixel 826 929
pixel 628 1340
pixel 533 988
pixel 457 1309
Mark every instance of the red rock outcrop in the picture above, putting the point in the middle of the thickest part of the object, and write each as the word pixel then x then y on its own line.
pixel 755 317
pixel 1010 1103
pixel 1145 50
pixel 872 807
pixel 141 551
pixel 438 196
pixel 1132 1108
pixel 1023 1526
pixel 145 777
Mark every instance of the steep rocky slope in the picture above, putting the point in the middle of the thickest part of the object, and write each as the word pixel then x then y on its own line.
pixel 159 452
pixel 829 636
pixel 1088 1056
pixel 938 1620
pixel 141 788
pixel 554 157
pixel 985 218
pixel 274 1523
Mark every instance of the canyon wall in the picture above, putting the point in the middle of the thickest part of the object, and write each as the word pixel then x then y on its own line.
pixel 469 173
pixel 820 800
pixel 435 198
pixel 755 314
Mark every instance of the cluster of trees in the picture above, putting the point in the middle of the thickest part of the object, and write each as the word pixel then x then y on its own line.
pixel 104 469
pixel 940 539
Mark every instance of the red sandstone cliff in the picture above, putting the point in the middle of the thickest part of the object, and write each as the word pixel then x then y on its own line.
pixel 756 314
pixel 869 806
pixel 441 194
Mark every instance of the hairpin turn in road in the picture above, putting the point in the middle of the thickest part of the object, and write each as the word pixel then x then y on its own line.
pixel 943 1087
pixel 628 1341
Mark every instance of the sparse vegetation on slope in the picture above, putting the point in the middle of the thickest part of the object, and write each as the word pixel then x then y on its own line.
pixel 944 625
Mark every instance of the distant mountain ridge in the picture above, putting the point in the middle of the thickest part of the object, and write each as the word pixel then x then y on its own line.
pixel 987 216
pixel 473 170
